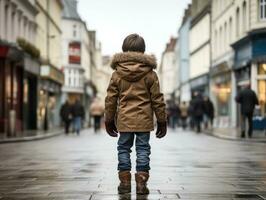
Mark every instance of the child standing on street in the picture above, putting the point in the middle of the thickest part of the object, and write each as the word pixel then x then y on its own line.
pixel 133 95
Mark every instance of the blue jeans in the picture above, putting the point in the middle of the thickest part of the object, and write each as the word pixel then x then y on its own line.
pixel 77 124
pixel 143 150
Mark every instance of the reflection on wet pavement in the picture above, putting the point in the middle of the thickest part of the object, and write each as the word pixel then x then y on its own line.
pixel 184 166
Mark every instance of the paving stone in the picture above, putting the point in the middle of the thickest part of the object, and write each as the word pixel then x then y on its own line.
pixel 184 165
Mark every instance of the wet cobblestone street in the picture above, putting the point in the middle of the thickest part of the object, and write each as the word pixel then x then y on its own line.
pixel 184 166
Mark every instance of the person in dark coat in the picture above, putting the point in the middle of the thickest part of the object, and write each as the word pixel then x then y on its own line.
pixel 209 111
pixel 66 115
pixel 78 113
pixel 247 99
pixel 191 113
pixel 174 114
pixel 198 110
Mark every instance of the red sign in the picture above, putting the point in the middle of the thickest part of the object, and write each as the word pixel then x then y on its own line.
pixel 74 52
pixel 3 51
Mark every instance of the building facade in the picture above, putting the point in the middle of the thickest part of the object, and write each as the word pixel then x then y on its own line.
pixel 102 77
pixel 183 57
pixel 80 53
pixel 222 79
pixel 19 67
pixel 237 55
pixel 168 69
pixel 48 40
pixel 200 46
pixel 250 48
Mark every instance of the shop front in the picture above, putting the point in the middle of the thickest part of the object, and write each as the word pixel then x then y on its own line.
pixel 11 87
pixel 221 89
pixel 200 84
pixel 250 68
pixel 49 103
pixel 261 81
pixel 30 91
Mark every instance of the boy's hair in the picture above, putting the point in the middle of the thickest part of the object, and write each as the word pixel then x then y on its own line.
pixel 134 42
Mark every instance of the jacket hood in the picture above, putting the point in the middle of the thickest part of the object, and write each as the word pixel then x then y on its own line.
pixel 132 66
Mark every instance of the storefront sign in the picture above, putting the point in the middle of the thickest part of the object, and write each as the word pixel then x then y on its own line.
pixel 52 73
pixel 199 81
pixel 74 51
pixel 31 65
pixel 219 69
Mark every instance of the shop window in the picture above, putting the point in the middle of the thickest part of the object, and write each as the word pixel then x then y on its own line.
pixel 262 69
pixel 262 88
pixel 262 96
pixel 262 9
pixel 223 97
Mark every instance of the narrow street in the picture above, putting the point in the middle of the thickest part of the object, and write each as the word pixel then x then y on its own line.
pixel 184 166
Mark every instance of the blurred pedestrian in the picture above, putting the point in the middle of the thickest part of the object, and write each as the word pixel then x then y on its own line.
pixel 208 111
pixel 66 115
pixel 184 114
pixel 134 89
pixel 247 99
pixel 174 114
pixel 78 113
pixel 198 110
pixel 96 111
pixel 191 114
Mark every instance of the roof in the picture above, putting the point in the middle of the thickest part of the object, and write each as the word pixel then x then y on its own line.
pixel 70 9
pixel 170 46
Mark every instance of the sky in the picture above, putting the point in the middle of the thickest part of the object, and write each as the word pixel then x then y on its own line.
pixel 155 20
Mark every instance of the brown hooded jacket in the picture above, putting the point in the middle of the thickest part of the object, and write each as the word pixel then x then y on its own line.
pixel 133 94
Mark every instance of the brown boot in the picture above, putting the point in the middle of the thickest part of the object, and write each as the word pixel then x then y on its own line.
pixel 125 182
pixel 141 181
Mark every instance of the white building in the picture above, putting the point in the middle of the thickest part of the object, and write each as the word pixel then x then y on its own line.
pixel 184 56
pixel 102 77
pixel 168 70
pixel 199 45
pixel 76 56
pixel 221 75
pixel 17 19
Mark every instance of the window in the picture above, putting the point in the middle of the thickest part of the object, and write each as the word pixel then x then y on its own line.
pixel 12 26
pixel 221 40
pixel 244 20
pixel 237 22
pixel 216 42
pixel 230 30
pixel 262 7
pixel 74 31
pixel 225 35
pixel 70 78
pixel 6 21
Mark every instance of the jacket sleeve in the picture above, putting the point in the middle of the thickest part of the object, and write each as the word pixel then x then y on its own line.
pixel 238 98
pixel 157 99
pixel 111 99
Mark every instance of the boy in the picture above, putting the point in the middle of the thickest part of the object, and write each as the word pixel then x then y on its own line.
pixel 133 95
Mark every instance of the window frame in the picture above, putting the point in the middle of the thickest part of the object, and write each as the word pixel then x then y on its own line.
pixel 262 10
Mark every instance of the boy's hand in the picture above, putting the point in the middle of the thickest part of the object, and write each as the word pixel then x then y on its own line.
pixel 161 129
pixel 111 128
